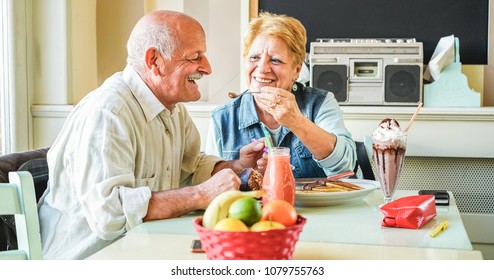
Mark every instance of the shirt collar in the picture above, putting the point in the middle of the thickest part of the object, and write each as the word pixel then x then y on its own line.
pixel 150 105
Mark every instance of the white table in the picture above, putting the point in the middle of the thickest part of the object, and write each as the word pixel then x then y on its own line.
pixel 351 231
pixel 357 223
pixel 156 246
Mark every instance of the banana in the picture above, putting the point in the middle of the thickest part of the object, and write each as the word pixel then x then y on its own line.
pixel 219 206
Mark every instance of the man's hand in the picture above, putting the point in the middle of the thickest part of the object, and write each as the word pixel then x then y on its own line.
pixel 223 180
pixel 250 155
pixel 262 163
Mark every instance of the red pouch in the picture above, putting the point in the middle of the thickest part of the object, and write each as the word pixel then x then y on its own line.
pixel 409 212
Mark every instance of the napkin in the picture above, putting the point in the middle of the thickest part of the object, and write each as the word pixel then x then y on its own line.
pixel 409 212
pixel 444 54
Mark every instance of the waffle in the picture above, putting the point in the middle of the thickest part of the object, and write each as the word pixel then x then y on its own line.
pixel 330 186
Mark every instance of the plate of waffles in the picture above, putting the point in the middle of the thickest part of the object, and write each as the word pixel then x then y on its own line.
pixel 322 192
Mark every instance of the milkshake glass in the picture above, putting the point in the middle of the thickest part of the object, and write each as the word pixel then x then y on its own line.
pixel 388 146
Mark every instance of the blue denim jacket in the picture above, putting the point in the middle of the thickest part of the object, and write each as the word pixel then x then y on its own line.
pixel 236 123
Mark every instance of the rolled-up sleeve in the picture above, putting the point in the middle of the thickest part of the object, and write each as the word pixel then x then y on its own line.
pixel 343 157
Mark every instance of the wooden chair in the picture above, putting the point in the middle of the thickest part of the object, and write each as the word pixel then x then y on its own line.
pixel 18 198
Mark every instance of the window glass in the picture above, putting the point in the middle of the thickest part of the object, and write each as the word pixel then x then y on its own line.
pixel 3 73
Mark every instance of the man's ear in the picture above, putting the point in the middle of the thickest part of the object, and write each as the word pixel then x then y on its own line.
pixel 151 58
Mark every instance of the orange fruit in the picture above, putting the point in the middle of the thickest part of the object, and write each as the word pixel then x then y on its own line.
pixel 266 225
pixel 231 224
pixel 246 209
pixel 279 211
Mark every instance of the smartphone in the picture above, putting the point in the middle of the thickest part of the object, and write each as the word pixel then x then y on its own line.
pixel 441 196
pixel 196 246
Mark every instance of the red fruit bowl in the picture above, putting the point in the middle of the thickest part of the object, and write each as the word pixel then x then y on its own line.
pixel 276 244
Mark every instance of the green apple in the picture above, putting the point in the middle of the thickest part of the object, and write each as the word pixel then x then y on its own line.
pixel 246 209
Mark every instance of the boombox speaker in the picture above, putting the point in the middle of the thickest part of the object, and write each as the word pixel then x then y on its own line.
pixel 403 83
pixel 368 71
pixel 333 78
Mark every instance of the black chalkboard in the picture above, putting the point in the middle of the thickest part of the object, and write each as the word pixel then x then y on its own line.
pixel 426 20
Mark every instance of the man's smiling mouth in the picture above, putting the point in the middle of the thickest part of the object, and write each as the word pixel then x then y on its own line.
pixel 193 77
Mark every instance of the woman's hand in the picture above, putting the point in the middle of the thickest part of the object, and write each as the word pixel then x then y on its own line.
pixel 283 107
pixel 279 103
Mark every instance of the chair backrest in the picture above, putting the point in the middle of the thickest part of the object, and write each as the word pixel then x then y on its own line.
pixel 18 198
pixel 33 161
pixel 363 161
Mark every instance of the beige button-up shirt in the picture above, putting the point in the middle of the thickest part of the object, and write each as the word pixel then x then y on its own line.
pixel 117 146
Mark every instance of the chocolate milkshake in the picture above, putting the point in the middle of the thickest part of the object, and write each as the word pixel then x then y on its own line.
pixel 388 145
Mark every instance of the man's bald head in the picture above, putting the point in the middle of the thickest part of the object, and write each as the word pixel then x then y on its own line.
pixel 159 30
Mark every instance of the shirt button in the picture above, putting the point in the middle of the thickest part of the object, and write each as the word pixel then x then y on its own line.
pixel 167 131
pixel 168 168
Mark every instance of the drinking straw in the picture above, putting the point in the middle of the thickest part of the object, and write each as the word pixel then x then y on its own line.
pixel 340 176
pixel 413 117
pixel 268 140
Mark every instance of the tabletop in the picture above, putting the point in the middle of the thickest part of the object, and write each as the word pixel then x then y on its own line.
pixel 356 223
pixel 146 246
pixel 350 231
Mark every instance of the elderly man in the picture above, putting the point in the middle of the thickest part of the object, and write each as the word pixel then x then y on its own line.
pixel 129 152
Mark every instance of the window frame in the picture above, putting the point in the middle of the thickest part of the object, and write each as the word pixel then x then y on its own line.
pixel 14 91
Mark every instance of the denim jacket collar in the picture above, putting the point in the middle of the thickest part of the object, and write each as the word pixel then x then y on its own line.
pixel 248 114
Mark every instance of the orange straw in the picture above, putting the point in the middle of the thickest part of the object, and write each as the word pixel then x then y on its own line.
pixel 413 117
pixel 343 175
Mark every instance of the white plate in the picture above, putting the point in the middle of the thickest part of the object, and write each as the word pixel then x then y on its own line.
pixel 334 198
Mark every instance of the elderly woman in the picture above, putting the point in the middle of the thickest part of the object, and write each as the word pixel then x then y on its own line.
pixel 307 120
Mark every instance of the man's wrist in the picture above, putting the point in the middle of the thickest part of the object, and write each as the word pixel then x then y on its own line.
pixel 234 165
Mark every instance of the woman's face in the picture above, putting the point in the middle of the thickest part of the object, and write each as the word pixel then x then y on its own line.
pixel 269 62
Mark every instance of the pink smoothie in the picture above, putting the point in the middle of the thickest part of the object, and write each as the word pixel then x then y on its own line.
pixel 278 181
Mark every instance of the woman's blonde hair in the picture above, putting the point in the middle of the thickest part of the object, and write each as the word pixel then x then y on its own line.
pixel 285 27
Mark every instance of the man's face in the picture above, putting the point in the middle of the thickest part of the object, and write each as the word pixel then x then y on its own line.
pixel 188 63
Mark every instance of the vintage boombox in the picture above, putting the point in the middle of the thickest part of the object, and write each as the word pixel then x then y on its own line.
pixel 368 71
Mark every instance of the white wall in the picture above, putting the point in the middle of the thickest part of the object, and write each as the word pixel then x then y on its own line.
pixel 222 22
pixel 85 48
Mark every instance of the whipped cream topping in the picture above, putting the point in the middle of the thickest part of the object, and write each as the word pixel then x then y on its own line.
pixel 389 135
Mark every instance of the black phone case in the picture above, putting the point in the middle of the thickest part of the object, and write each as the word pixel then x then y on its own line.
pixel 196 246
pixel 441 196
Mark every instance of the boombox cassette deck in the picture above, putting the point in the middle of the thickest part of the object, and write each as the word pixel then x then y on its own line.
pixel 386 71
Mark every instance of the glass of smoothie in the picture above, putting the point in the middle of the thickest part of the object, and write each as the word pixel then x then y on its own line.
pixel 278 181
